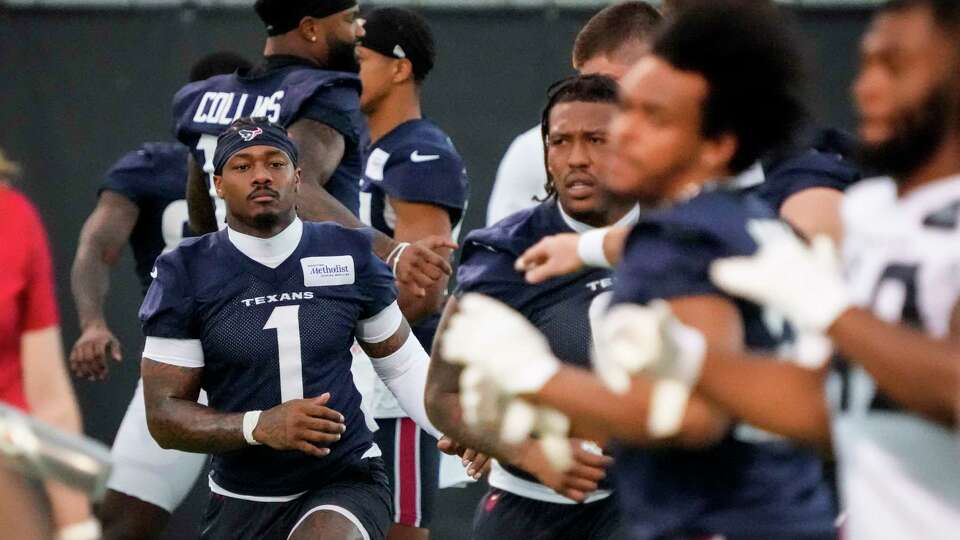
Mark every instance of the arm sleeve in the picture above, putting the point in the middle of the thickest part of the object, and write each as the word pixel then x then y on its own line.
pixel 520 177
pixel 168 308
pixel 40 300
pixel 437 178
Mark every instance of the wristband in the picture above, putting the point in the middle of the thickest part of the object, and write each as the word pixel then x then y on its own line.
pixel 668 403
pixel 395 254
pixel 85 530
pixel 250 421
pixel 590 248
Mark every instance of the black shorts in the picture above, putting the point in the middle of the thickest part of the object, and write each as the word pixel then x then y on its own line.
pixel 361 494
pixel 413 467
pixel 502 515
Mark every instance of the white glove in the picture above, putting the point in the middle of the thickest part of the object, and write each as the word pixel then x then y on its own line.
pixel 802 282
pixel 633 339
pixel 484 405
pixel 490 335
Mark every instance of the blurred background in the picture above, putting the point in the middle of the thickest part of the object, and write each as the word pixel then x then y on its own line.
pixel 85 81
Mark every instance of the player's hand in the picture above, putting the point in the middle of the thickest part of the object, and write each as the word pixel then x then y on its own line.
pixel 476 463
pixel 423 263
pixel 802 282
pixel 632 339
pixel 88 358
pixel 550 257
pixel 307 425
pixel 580 480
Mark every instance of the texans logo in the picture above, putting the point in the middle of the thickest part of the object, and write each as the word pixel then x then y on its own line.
pixel 249 134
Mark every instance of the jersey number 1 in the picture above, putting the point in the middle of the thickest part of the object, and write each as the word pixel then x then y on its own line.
pixel 286 321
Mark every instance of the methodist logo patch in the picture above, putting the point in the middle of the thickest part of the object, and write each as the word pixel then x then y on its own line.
pixel 328 271
pixel 249 134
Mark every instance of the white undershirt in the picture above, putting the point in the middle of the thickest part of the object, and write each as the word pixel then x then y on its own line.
pixel 270 252
pixel 628 219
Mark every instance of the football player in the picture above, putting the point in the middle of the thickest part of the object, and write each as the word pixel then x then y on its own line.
pixel 414 186
pixel 306 81
pixel 518 505
pixel 693 116
pixel 263 315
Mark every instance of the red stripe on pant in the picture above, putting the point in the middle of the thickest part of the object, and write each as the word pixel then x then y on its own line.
pixel 407 473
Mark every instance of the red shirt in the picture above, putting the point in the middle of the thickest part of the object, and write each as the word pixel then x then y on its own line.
pixel 27 298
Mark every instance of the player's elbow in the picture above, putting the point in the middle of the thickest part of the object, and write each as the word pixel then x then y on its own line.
pixel 160 427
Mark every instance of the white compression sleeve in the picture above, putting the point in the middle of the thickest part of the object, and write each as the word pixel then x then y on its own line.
pixel 405 374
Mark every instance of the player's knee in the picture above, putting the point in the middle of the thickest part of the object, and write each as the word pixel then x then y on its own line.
pixel 127 518
pixel 326 525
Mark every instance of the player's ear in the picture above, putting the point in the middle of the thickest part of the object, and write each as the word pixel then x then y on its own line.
pixel 402 70
pixel 217 183
pixel 297 177
pixel 718 151
pixel 309 29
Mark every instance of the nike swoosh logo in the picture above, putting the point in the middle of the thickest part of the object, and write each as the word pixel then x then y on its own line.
pixel 153 273
pixel 417 158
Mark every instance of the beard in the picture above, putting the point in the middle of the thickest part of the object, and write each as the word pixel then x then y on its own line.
pixel 917 135
pixel 342 56
pixel 265 221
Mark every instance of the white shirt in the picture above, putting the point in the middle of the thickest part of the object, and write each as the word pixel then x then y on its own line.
pixel 520 177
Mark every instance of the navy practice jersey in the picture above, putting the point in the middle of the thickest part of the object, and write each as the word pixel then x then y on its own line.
pixel 272 335
pixel 154 178
pixel 285 89
pixel 823 163
pixel 750 484
pixel 415 162
pixel 559 307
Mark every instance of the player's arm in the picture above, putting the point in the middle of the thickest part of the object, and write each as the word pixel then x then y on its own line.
pixel 567 253
pixel 416 221
pixel 102 238
pixel 201 211
pixel 803 282
pixel 920 372
pixel 588 401
pixel 177 421
pixel 321 149
pixel 815 211
pixel 399 360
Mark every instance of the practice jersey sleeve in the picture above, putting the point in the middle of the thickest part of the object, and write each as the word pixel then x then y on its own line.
pixel 376 280
pixel 126 177
pixel 489 270
pixel 334 106
pixel 426 174
pixel 168 308
pixel 808 170
pixel 666 262
pixel 40 300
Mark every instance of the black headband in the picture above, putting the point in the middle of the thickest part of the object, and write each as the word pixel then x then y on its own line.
pixel 399 33
pixel 244 135
pixel 282 16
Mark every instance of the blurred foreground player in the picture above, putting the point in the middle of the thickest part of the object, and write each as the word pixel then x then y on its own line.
pixel 609 44
pixel 518 505
pixel 307 82
pixel 692 117
pixel 895 317
pixel 263 315
pixel 414 186
pixel 143 202
pixel 33 376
